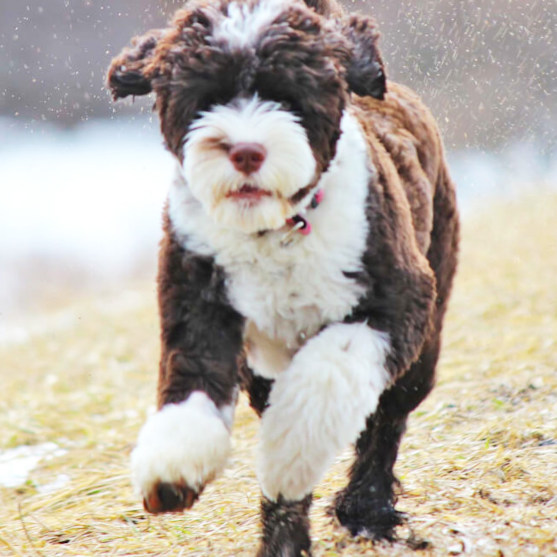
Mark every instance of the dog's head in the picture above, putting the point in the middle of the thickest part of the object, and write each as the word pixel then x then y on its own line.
pixel 250 95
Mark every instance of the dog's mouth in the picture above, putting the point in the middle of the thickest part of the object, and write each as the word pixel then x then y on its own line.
pixel 249 193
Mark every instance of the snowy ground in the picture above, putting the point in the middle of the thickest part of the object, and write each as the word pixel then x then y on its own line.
pixel 77 206
pixel 82 207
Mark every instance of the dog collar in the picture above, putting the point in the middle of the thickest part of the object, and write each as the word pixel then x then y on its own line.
pixel 299 222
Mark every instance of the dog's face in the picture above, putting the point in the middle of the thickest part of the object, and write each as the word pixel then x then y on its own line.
pixel 250 94
pixel 246 161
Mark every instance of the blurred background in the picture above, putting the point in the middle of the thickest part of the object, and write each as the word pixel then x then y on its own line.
pixel 83 181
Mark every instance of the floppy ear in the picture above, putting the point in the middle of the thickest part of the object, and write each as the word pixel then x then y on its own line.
pixel 126 74
pixel 365 71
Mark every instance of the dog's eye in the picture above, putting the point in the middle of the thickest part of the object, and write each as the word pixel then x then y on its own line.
pixel 286 105
pixel 198 18
pixel 292 106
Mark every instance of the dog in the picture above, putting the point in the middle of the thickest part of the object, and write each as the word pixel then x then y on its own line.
pixel 310 243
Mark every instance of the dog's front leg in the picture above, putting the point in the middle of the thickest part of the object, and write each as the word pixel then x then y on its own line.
pixel 186 443
pixel 317 407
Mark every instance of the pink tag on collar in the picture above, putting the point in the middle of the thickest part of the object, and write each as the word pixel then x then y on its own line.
pixel 306 229
pixel 300 224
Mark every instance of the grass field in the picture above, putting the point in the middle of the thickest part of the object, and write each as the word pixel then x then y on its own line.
pixel 478 464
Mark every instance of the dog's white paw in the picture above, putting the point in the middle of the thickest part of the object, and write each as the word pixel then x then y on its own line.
pixel 180 449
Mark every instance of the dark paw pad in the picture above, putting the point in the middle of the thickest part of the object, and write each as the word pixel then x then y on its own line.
pixel 170 498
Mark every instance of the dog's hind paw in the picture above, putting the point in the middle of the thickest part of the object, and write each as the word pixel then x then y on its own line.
pixel 379 527
pixel 374 519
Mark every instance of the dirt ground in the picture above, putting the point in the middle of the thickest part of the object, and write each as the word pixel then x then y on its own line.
pixel 478 465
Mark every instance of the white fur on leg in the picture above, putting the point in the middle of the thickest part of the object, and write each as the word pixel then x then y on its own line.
pixel 319 405
pixel 187 442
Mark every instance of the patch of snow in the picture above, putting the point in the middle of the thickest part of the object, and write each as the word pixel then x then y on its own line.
pixel 61 481
pixel 16 464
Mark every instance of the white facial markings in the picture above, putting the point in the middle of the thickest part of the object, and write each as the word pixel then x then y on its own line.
pixel 182 443
pixel 245 23
pixel 318 406
pixel 288 166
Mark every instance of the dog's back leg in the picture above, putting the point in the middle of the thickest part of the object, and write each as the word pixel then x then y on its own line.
pixel 367 505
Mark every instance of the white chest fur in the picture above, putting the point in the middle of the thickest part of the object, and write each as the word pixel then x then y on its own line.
pixel 288 293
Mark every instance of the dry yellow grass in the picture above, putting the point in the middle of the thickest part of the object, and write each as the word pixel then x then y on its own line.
pixel 478 465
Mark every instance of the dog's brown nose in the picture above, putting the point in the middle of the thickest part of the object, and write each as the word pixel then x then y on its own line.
pixel 247 157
